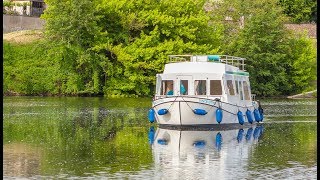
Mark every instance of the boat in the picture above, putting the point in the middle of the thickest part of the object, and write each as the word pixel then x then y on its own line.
pixel 204 90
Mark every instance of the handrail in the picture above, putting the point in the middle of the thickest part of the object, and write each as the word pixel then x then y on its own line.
pixel 253 97
pixel 234 61
pixel 226 59
pixel 179 58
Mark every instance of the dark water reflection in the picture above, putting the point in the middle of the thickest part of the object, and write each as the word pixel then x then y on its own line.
pixel 112 138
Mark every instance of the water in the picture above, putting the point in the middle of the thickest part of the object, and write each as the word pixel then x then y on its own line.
pixel 99 138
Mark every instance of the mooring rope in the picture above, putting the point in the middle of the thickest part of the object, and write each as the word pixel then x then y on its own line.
pixel 172 102
pixel 187 104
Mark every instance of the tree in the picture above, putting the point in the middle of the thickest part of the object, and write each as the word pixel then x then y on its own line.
pixel 71 27
pixel 273 55
pixel 300 11
pixel 121 45
pixel 143 33
pixel 304 67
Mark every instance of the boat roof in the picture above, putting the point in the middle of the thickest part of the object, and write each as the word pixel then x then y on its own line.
pixel 205 64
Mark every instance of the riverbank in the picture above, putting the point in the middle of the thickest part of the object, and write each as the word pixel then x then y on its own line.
pixel 23 37
pixel 307 95
pixel 310 94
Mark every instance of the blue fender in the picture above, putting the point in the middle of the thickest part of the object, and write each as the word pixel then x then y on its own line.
pixel 260 113
pixel 219 115
pixel 240 117
pixel 162 111
pixel 256 115
pixel 200 111
pixel 249 116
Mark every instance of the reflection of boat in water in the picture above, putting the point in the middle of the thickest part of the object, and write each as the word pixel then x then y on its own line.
pixel 204 90
pixel 203 153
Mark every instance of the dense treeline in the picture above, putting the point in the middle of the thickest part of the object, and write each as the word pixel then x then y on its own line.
pixel 300 11
pixel 279 62
pixel 114 47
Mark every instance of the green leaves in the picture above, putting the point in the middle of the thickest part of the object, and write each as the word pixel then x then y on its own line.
pixel 272 53
pixel 73 22
pixel 149 31
pixel 27 71
pixel 304 66
pixel 300 11
pixel 116 47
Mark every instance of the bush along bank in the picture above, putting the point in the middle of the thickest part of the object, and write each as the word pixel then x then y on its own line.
pixel 126 43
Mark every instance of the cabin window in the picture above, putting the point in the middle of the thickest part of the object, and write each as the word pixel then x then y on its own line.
pixel 37 4
pixel 237 87
pixel 230 87
pixel 200 87
pixel 246 90
pixel 215 87
pixel 167 87
pixel 184 87
pixel 240 90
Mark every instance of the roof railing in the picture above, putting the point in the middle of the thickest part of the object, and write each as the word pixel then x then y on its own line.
pixel 230 60
pixel 179 58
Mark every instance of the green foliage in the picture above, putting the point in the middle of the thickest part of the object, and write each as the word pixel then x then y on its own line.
pixel 125 43
pixel 273 55
pixel 8 7
pixel 42 68
pixel 18 4
pixel 26 71
pixel 72 29
pixel 304 67
pixel 71 22
pixel 7 4
pixel 26 4
pixel 300 11
pixel 144 33
pixel 116 47
pixel 263 43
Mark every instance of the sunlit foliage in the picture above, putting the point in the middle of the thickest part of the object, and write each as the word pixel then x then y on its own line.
pixel 115 48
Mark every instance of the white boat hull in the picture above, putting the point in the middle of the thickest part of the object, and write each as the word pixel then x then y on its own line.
pixel 181 111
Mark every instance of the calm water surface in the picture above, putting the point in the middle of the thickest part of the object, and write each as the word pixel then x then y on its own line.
pixel 99 138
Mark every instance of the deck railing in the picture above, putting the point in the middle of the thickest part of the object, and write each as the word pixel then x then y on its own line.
pixel 253 97
pixel 230 60
pixel 234 61
pixel 179 58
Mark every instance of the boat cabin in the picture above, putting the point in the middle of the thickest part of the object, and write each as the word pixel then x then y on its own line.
pixel 209 76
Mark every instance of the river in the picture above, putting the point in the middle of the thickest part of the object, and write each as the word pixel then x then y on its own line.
pixel 101 138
